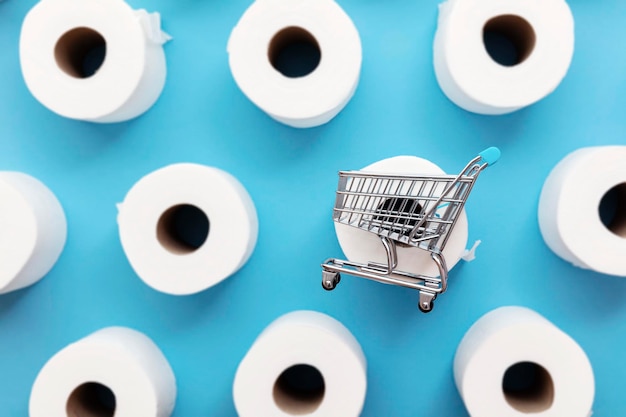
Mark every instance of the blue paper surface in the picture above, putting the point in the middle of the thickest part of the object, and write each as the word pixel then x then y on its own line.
pixel 291 174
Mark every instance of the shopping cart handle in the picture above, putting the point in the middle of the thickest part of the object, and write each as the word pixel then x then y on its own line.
pixel 490 155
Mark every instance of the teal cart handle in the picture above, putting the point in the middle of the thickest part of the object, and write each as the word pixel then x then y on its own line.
pixel 490 155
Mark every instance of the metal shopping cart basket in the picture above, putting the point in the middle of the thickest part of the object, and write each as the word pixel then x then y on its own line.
pixel 417 211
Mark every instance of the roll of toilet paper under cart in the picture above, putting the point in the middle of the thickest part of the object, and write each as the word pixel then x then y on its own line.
pixel 33 230
pixel 540 35
pixel 513 362
pixel 115 371
pixel 304 363
pixel 361 246
pixel 93 60
pixel 263 37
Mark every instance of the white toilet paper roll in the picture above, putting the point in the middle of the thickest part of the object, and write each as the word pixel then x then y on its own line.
pixel 273 30
pixel 513 362
pixel 33 230
pixel 362 246
pixel 581 186
pixel 92 60
pixel 539 34
pixel 186 227
pixel 113 372
pixel 304 363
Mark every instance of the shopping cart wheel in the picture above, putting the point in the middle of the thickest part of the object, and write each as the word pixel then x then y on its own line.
pixel 330 280
pixel 426 302
pixel 426 308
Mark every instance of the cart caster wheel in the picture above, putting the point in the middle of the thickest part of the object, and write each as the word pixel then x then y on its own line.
pixel 330 280
pixel 426 301
pixel 426 307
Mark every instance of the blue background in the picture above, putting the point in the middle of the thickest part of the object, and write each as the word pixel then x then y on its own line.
pixel 291 175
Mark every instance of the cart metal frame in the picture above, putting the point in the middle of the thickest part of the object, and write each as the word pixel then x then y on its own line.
pixel 417 211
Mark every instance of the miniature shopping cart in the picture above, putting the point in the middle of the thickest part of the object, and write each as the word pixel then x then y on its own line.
pixel 417 211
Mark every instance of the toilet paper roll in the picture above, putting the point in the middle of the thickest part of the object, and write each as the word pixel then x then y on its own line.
pixel 320 42
pixel 113 372
pixel 513 362
pixel 581 186
pixel 33 230
pixel 535 39
pixel 92 60
pixel 304 363
pixel 186 227
pixel 362 246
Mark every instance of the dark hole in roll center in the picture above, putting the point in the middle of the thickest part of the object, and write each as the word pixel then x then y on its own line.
pixel 509 39
pixel 91 400
pixel 294 52
pixel 299 390
pixel 612 210
pixel 528 387
pixel 80 52
pixel 183 229
pixel 389 209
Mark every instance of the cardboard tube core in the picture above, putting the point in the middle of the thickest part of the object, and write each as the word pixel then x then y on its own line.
pixel 294 52
pixel 528 387
pixel 183 229
pixel 80 52
pixel 91 399
pixel 509 39
pixel 612 210
pixel 299 390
